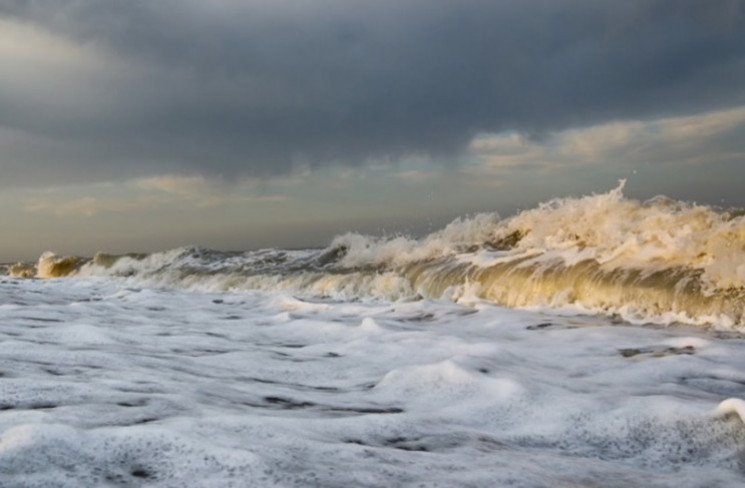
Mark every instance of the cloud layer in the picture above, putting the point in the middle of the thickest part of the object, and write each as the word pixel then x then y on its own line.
pixel 96 89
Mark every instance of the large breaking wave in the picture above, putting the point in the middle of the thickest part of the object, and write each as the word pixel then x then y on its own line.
pixel 655 261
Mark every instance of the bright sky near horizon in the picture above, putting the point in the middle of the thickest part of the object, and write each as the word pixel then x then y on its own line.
pixel 141 126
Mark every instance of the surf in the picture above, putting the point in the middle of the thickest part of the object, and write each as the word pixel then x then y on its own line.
pixel 659 261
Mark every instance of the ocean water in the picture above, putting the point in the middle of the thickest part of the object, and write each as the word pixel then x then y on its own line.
pixel 591 341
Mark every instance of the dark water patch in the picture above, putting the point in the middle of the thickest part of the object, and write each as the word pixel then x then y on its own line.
pixel 364 410
pixel 30 406
pixel 656 352
pixel 88 300
pixel 42 406
pixel 488 444
pixel 142 388
pixel 425 317
pixel 433 443
pixel 332 355
pixel 262 380
pixel 359 442
pixel 133 403
pixel 404 444
pixel 211 351
pixel 53 372
pixel 541 326
pixel 321 388
pixel 296 386
pixel 216 334
pixel 544 325
pixel 146 420
pixel 125 478
pixel 141 473
pixel 293 359
pixel 41 319
pixel 287 403
pixel 199 352
pixel 728 334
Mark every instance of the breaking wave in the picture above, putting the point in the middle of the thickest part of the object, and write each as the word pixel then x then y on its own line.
pixel 655 261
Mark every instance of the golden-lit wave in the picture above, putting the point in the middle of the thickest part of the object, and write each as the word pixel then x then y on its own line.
pixel 660 260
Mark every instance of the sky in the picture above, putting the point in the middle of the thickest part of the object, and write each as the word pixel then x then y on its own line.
pixel 237 124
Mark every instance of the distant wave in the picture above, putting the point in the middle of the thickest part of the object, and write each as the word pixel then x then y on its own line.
pixel 656 261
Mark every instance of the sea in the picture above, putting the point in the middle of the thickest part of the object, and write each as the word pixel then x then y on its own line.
pixel 591 341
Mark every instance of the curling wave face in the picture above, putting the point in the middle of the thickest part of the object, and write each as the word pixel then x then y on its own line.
pixel 656 261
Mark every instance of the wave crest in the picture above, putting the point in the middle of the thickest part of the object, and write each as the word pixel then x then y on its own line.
pixel 660 260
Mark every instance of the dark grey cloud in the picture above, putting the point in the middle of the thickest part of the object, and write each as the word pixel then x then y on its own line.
pixel 233 87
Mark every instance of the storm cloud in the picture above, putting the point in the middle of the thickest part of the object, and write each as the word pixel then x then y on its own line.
pixel 106 88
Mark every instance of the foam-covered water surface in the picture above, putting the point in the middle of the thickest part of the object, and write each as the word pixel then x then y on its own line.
pixel 106 384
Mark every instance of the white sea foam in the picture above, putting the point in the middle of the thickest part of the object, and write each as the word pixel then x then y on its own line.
pixel 387 361
pixel 108 384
